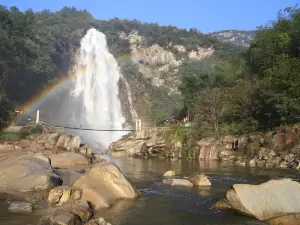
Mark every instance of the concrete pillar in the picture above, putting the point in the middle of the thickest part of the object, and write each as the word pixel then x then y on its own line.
pixel 37 116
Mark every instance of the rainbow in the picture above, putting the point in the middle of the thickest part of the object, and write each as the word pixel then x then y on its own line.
pixel 38 99
pixel 51 90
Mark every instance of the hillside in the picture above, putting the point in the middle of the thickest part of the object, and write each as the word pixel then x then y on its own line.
pixel 237 37
pixel 38 49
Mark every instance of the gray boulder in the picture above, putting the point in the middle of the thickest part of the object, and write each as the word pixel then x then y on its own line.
pixel 104 184
pixel 68 159
pixel 23 172
pixel 178 182
pixel 20 207
pixel 268 202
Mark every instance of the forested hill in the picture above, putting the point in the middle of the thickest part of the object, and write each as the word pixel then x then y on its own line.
pixel 37 50
pixel 226 88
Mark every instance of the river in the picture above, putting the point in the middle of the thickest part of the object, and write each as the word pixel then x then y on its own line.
pixel 164 205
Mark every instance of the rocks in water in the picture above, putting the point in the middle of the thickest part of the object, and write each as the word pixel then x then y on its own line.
pixel 99 221
pixel 63 194
pixel 223 204
pixel 252 162
pixel 61 218
pixel 86 150
pixel 71 213
pixel 199 180
pixel 178 182
pixel 22 172
pixel 148 144
pixel 104 184
pixel 20 207
pixel 169 173
pixel 68 159
pixel 276 201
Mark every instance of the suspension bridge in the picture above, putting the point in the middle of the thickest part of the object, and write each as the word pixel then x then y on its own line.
pixel 50 128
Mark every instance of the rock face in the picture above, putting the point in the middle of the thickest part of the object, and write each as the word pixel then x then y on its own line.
pixel 23 172
pixel 199 180
pixel 68 159
pixel 276 201
pixel 20 207
pixel 52 141
pixel 104 184
pixel 148 144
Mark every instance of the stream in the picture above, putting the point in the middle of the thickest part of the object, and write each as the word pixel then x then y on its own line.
pixel 165 205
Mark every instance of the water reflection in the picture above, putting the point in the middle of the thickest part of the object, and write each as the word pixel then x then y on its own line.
pixel 165 205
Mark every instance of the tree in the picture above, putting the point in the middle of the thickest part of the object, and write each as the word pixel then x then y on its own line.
pixel 209 111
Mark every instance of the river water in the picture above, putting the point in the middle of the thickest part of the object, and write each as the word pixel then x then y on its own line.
pixel 164 205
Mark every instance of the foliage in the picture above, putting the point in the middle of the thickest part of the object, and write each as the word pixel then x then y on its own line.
pixel 6 111
pixel 274 57
pixel 9 136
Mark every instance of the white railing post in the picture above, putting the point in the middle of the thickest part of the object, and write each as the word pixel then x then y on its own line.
pixel 37 116
pixel 140 124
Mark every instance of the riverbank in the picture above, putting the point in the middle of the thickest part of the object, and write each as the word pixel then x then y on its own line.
pixel 57 180
pixel 277 149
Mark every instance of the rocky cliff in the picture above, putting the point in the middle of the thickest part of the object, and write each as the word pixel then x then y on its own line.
pixel 237 37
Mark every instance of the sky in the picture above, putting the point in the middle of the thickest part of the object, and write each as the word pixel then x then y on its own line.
pixel 205 15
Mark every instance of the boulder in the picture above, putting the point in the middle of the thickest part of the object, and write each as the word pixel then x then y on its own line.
pixel 223 204
pixel 199 180
pixel 178 182
pixel 152 141
pixel 23 172
pixel 63 194
pixel 269 201
pixel 169 173
pixel 252 162
pixel 206 142
pixel 104 184
pixel 68 142
pixel 61 218
pixel 209 153
pixel 99 221
pixel 68 159
pixel 20 207
pixel 72 213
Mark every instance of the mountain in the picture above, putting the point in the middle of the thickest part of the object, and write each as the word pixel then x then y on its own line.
pixel 237 37
pixel 38 50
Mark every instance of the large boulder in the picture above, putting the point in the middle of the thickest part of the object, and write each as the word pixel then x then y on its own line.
pixel 104 184
pixel 23 172
pixel 276 201
pixel 68 159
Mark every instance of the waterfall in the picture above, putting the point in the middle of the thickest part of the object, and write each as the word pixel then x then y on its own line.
pixel 132 110
pixel 91 101
pixel 95 92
